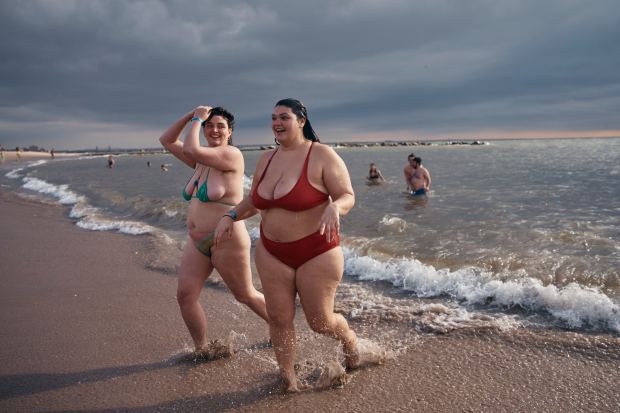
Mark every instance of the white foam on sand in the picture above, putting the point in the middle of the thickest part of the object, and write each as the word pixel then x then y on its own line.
pixel 60 192
pixel 577 306
pixel 89 217
pixel 125 227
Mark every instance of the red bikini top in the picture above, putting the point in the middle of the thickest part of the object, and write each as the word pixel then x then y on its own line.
pixel 303 195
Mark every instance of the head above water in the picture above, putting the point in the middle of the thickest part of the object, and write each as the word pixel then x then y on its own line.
pixel 300 111
pixel 230 119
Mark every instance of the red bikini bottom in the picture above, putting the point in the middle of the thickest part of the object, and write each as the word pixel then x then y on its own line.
pixel 296 253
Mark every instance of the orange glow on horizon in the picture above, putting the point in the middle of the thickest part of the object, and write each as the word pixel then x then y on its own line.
pixel 485 135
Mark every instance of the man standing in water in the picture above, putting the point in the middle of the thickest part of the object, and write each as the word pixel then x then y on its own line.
pixel 417 177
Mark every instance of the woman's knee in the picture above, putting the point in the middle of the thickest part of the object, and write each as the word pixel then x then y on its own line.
pixel 186 296
pixel 244 296
pixel 280 319
pixel 322 324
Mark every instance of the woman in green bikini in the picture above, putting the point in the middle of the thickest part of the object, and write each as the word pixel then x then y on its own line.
pixel 214 188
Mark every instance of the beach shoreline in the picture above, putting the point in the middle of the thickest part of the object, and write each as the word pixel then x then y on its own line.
pixel 88 327
pixel 24 156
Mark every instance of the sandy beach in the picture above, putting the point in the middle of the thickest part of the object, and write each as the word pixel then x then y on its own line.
pixel 86 326
pixel 11 156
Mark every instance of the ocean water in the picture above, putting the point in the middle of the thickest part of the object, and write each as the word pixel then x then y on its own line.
pixel 513 233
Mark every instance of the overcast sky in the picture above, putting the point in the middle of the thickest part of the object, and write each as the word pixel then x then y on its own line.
pixel 80 74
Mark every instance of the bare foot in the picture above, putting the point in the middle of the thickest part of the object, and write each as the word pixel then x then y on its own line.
pixel 351 353
pixel 292 384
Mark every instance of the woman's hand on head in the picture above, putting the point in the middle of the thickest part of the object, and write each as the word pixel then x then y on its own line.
pixel 202 112
pixel 330 222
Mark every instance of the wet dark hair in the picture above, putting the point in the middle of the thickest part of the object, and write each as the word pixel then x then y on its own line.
pixel 230 119
pixel 300 110
pixel 418 160
pixel 411 155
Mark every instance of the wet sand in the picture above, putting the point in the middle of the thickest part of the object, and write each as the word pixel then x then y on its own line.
pixel 87 327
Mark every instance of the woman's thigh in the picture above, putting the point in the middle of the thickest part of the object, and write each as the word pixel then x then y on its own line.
pixel 317 281
pixel 232 262
pixel 278 281
pixel 195 269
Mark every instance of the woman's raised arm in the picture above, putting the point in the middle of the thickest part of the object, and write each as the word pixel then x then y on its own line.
pixel 170 139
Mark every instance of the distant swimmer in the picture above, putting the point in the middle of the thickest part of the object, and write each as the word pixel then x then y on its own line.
pixel 148 163
pixel 18 154
pixel 52 153
pixel 417 177
pixel 164 167
pixel 374 175
pixel 111 161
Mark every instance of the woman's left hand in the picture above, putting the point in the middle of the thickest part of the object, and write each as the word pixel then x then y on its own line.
pixel 330 222
pixel 223 230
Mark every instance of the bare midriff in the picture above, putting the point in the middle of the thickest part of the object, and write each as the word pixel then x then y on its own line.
pixel 284 226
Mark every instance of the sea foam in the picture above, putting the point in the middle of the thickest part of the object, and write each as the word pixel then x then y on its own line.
pixel 37 163
pixel 125 227
pixel 575 305
pixel 14 174
pixel 60 192
pixel 247 183
pixel 89 217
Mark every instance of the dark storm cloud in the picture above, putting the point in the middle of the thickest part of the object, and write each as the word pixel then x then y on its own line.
pixel 73 72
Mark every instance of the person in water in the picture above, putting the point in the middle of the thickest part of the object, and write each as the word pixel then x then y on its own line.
pixel 374 175
pixel 111 161
pixel 417 177
pixel 301 188
pixel 215 186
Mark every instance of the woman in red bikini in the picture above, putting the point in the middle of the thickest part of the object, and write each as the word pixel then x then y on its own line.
pixel 215 186
pixel 301 189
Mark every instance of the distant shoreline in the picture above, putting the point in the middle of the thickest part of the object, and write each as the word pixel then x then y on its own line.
pixel 30 155
pixel 24 155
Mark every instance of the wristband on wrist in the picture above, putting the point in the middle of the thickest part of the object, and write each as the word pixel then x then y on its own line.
pixel 232 214
pixel 196 118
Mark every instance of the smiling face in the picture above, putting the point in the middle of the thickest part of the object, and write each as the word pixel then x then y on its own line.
pixel 285 124
pixel 216 131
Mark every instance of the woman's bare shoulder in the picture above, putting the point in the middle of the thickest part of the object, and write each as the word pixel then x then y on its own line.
pixel 324 150
pixel 326 153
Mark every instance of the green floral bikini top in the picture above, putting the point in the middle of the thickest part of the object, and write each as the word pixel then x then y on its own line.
pixel 201 193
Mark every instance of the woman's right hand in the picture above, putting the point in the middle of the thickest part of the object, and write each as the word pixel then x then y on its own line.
pixel 223 230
